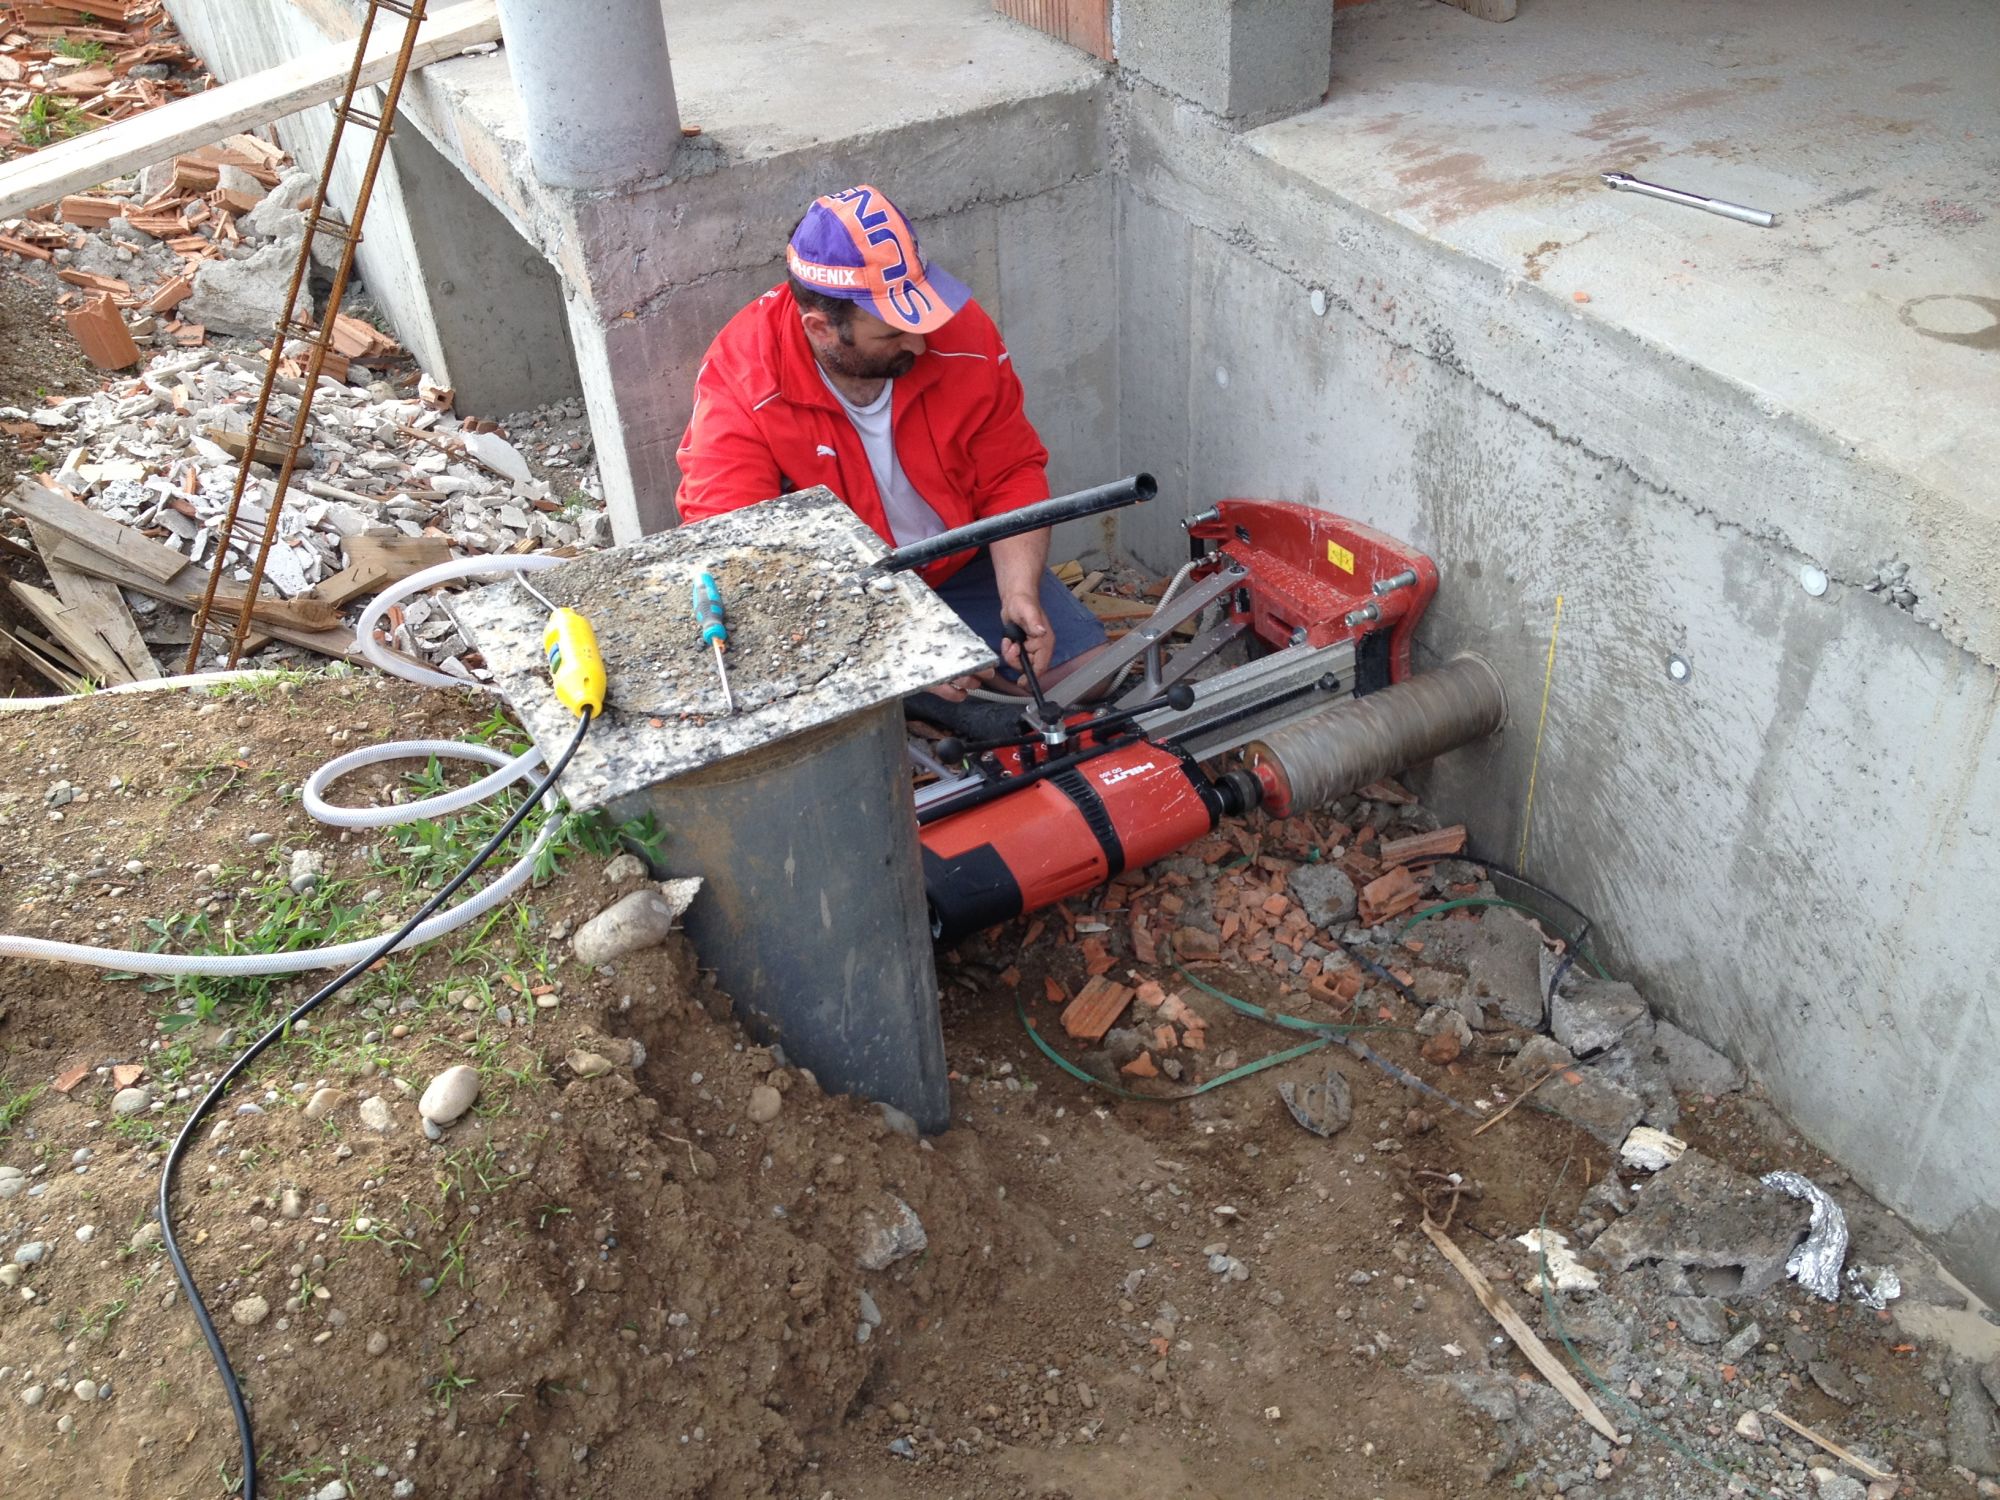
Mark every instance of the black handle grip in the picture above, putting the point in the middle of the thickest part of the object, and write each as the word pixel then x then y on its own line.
pixel 1090 502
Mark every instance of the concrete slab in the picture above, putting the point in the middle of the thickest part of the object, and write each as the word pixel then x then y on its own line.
pixel 1868 312
pixel 814 638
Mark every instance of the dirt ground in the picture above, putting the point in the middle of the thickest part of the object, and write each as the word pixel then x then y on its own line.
pixel 615 1276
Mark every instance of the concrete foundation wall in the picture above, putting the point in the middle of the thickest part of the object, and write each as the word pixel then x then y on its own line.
pixel 1790 850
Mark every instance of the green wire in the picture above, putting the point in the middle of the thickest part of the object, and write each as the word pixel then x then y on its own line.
pixel 1323 1033
pixel 1272 1061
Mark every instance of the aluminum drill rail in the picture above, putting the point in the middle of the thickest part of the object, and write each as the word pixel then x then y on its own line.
pixel 1230 710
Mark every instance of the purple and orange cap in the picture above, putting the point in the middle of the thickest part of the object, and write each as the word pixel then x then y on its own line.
pixel 857 244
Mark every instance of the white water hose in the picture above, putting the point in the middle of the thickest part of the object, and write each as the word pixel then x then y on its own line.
pixel 509 769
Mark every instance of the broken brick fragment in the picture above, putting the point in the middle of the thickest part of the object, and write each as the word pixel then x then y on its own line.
pixel 102 333
pixel 1141 1066
pixel 1423 846
pixel 1441 1049
pixel 1096 1009
pixel 1389 896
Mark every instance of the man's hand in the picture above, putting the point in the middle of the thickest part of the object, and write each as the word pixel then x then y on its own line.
pixel 1018 562
pixel 956 690
pixel 1026 612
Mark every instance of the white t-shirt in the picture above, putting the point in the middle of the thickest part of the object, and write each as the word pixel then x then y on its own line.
pixel 910 519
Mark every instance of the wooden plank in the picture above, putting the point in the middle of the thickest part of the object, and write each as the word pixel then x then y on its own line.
pixel 98 604
pixel 401 555
pixel 1096 1008
pixel 1832 1447
pixel 303 621
pixel 372 570
pixel 24 648
pixel 201 119
pixel 1539 1354
pixel 75 637
pixel 80 524
pixel 268 452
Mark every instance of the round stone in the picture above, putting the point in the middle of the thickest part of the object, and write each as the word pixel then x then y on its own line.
pixel 131 1101
pixel 765 1102
pixel 250 1311
pixel 450 1094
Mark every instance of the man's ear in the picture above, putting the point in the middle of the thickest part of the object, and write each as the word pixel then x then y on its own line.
pixel 818 327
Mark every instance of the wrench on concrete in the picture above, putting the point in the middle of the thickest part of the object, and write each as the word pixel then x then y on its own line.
pixel 1625 182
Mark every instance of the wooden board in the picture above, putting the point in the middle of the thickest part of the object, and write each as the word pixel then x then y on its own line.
pixel 80 524
pixel 334 643
pixel 97 659
pixel 379 561
pixel 201 119
pixel 99 605
pixel 25 644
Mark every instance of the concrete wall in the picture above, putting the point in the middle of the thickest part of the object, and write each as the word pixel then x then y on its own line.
pixel 1791 851
pixel 493 304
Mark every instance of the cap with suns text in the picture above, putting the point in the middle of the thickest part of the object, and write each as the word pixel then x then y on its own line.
pixel 857 244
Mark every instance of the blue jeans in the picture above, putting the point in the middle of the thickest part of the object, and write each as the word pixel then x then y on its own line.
pixel 974 596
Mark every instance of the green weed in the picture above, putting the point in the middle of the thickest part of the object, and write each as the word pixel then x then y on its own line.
pixel 47 120
pixel 445 1388
pixel 14 1108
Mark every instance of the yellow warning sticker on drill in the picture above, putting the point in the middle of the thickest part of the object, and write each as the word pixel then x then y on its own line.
pixel 1340 557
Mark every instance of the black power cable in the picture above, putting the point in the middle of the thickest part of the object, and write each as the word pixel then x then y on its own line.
pixel 235 1070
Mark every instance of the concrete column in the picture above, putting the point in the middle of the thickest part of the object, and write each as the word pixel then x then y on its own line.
pixel 596 88
pixel 1245 60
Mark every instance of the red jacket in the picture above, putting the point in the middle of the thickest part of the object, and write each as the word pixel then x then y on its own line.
pixel 764 423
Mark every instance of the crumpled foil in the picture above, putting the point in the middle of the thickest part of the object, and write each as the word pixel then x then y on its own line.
pixel 1815 1265
pixel 1874 1286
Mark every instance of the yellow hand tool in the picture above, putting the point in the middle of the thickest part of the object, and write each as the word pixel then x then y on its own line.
pixel 576 667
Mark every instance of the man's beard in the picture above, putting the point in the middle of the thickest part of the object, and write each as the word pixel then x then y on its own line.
pixel 844 359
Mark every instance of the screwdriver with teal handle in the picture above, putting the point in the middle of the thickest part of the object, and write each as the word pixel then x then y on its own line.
pixel 708 614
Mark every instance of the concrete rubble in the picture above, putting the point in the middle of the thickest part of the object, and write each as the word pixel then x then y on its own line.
pixel 383 454
pixel 1670 1278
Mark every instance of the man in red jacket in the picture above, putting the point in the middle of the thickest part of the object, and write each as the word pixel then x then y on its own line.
pixel 877 375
